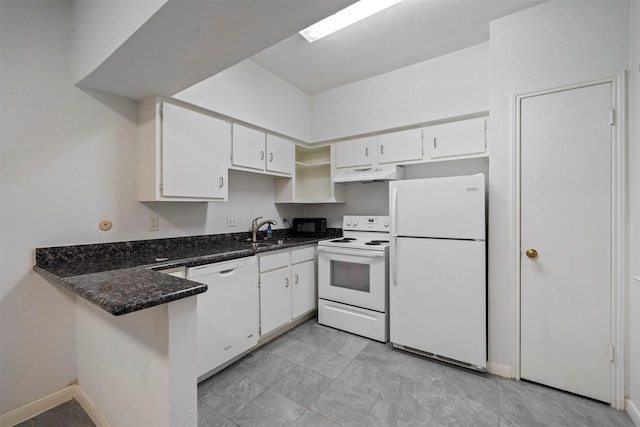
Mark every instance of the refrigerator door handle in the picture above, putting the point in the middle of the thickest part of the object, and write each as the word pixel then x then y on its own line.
pixel 394 209
pixel 394 261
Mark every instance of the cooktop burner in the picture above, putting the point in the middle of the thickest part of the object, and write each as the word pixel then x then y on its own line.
pixel 344 240
pixel 376 242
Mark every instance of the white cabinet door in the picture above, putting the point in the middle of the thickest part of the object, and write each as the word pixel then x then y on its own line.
pixel 195 156
pixel 455 139
pixel 357 152
pixel 400 146
pixel 279 155
pixel 303 294
pixel 275 299
pixel 248 147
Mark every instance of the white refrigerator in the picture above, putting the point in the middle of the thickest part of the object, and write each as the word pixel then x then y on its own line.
pixel 437 295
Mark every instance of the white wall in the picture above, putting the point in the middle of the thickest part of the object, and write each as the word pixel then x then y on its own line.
pixel 68 161
pixel 101 26
pixel 552 44
pixel 451 85
pixel 143 361
pixel 634 215
pixel 373 198
pixel 250 93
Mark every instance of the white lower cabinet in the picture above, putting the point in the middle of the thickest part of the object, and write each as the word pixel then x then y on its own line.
pixel 303 292
pixel 287 286
pixel 227 312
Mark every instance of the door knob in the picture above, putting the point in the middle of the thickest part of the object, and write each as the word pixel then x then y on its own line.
pixel 532 253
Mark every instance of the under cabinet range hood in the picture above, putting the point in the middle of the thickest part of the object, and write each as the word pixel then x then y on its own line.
pixel 369 174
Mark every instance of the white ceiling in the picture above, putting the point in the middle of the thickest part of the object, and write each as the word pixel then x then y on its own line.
pixel 412 31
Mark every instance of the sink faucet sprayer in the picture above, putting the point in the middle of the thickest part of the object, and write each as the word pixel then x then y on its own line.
pixel 255 226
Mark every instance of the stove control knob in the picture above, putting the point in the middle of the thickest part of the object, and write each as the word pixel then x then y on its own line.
pixel 355 223
pixel 349 222
pixel 386 222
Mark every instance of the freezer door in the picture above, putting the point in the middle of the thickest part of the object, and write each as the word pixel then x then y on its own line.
pixel 449 208
pixel 437 298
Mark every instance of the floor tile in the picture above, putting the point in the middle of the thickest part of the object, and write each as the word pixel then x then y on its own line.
pixel 313 419
pixel 480 387
pixel 267 369
pixel 68 414
pixel 228 399
pixel 208 417
pixel 392 415
pixel 345 406
pixel 293 350
pixel 370 379
pixel 302 385
pixel 313 333
pixel 327 363
pixel 458 410
pixel 270 409
pixel 347 344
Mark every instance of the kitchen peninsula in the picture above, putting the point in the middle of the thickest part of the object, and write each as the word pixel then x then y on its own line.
pixel 136 327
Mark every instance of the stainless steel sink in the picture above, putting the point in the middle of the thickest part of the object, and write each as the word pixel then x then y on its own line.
pixel 266 243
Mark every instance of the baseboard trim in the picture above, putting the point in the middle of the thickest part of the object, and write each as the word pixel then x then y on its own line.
pixel 59 397
pixel 633 411
pixel 37 407
pixel 96 416
pixel 499 370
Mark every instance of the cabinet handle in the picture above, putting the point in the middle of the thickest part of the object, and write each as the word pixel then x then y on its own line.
pixel 435 143
pixel 382 149
pixel 271 157
pixel 296 282
pixel 221 182
pixel 366 151
pixel 261 154
pixel 286 280
pixel 227 347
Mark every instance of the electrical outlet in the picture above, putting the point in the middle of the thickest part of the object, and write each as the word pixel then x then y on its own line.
pixel 154 223
pixel 232 221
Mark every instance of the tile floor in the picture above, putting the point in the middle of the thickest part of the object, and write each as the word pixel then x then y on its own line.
pixel 317 376
pixel 69 414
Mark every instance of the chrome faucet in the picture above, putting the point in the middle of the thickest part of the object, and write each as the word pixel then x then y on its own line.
pixel 255 226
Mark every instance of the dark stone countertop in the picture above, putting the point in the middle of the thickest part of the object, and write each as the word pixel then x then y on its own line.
pixel 120 277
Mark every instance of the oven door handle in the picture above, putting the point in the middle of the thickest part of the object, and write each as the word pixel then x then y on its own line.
pixel 354 252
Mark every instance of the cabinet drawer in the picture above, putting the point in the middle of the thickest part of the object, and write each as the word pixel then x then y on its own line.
pixel 303 254
pixel 273 261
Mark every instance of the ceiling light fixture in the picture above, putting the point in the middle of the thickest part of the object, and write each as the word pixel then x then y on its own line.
pixel 344 18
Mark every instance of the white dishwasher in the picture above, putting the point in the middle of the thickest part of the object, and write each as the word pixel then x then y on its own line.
pixel 227 312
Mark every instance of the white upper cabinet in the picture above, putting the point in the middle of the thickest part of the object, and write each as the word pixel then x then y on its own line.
pixel 356 152
pixel 400 146
pixel 248 147
pixel 463 138
pixel 261 152
pixel 280 155
pixel 183 154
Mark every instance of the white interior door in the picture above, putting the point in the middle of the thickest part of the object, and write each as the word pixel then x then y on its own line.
pixel 566 205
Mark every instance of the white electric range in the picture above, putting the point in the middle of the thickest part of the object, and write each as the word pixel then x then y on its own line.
pixel 353 278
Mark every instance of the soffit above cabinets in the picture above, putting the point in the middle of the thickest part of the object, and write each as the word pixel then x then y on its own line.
pixel 187 41
pixel 407 33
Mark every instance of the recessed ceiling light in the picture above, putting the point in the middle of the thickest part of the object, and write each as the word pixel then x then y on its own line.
pixel 344 18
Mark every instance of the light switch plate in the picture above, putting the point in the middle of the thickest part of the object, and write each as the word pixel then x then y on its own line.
pixel 154 223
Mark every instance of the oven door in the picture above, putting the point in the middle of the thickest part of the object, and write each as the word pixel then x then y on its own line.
pixel 353 276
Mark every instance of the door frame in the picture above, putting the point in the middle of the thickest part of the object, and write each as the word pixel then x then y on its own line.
pixel 619 282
